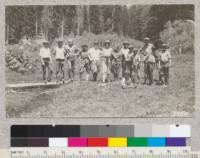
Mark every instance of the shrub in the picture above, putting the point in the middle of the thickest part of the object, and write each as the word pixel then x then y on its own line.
pixel 179 35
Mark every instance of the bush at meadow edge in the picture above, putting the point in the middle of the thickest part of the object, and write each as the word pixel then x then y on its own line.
pixel 179 34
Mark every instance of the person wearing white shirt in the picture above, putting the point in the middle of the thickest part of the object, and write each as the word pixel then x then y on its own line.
pixel 149 61
pixel 124 51
pixel 71 53
pixel 94 56
pixel 59 53
pixel 164 64
pixel 45 56
pixel 105 61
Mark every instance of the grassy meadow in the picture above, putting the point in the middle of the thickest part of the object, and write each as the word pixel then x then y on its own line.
pixel 87 99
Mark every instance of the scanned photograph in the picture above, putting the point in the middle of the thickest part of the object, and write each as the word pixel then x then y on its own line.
pixel 99 61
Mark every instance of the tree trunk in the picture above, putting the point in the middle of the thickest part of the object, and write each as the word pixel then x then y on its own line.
pixel 62 28
pixel 36 24
pixel 88 18
pixel 78 20
pixel 113 17
pixel 7 33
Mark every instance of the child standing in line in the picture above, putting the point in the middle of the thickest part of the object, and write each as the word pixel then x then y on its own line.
pixel 116 62
pixel 84 62
pixel 128 59
pixel 105 61
pixel 124 50
pixel 164 64
pixel 60 60
pixel 94 56
pixel 71 54
pixel 136 65
pixel 149 61
pixel 46 60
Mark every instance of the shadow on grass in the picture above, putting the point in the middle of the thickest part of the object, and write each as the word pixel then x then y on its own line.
pixel 34 102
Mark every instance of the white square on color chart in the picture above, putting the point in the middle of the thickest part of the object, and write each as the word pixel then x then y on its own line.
pixel 160 130
pixel 58 142
pixel 180 131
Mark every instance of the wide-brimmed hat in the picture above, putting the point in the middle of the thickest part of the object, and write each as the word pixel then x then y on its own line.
pixel 84 45
pixel 60 40
pixel 130 46
pixel 135 49
pixel 70 40
pixel 45 42
pixel 107 41
pixel 147 39
pixel 125 42
pixel 96 42
pixel 165 46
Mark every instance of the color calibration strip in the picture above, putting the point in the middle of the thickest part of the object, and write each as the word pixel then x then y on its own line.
pixel 99 136
pixel 98 142
pixel 63 131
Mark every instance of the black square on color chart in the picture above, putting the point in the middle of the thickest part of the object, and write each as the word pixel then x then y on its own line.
pixel 32 131
pixel 19 131
pixel 19 142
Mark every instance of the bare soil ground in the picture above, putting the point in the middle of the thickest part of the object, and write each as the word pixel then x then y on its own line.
pixel 87 99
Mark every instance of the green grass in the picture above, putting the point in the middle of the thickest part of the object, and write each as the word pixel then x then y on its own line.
pixel 86 99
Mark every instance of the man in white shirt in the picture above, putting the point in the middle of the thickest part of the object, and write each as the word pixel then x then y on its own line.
pixel 71 53
pixel 149 61
pixel 164 64
pixel 124 51
pixel 105 61
pixel 59 53
pixel 45 56
pixel 94 56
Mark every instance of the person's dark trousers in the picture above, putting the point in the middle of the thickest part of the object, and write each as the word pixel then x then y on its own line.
pixel 60 68
pixel 149 70
pixel 166 75
pixel 123 68
pixel 95 76
pixel 47 68
pixel 71 69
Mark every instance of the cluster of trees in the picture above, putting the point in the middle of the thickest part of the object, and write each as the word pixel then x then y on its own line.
pixel 135 21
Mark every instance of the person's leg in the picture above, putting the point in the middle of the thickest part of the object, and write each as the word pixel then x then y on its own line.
pixel 104 71
pixel 69 69
pixel 138 73
pixel 73 69
pixel 166 75
pixel 81 70
pixel 145 73
pixel 151 67
pixel 62 70
pixel 87 68
pixel 162 75
pixel 131 72
pixel 43 72
pixel 50 71
pixel 57 69
pixel 94 70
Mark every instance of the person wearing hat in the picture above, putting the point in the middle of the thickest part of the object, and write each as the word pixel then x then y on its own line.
pixel 116 59
pixel 164 64
pixel 94 56
pixel 71 52
pixel 46 61
pixel 124 51
pixel 105 61
pixel 59 53
pixel 149 61
pixel 136 65
pixel 128 58
pixel 84 62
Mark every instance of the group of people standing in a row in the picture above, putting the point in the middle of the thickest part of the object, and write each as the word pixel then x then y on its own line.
pixel 121 63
